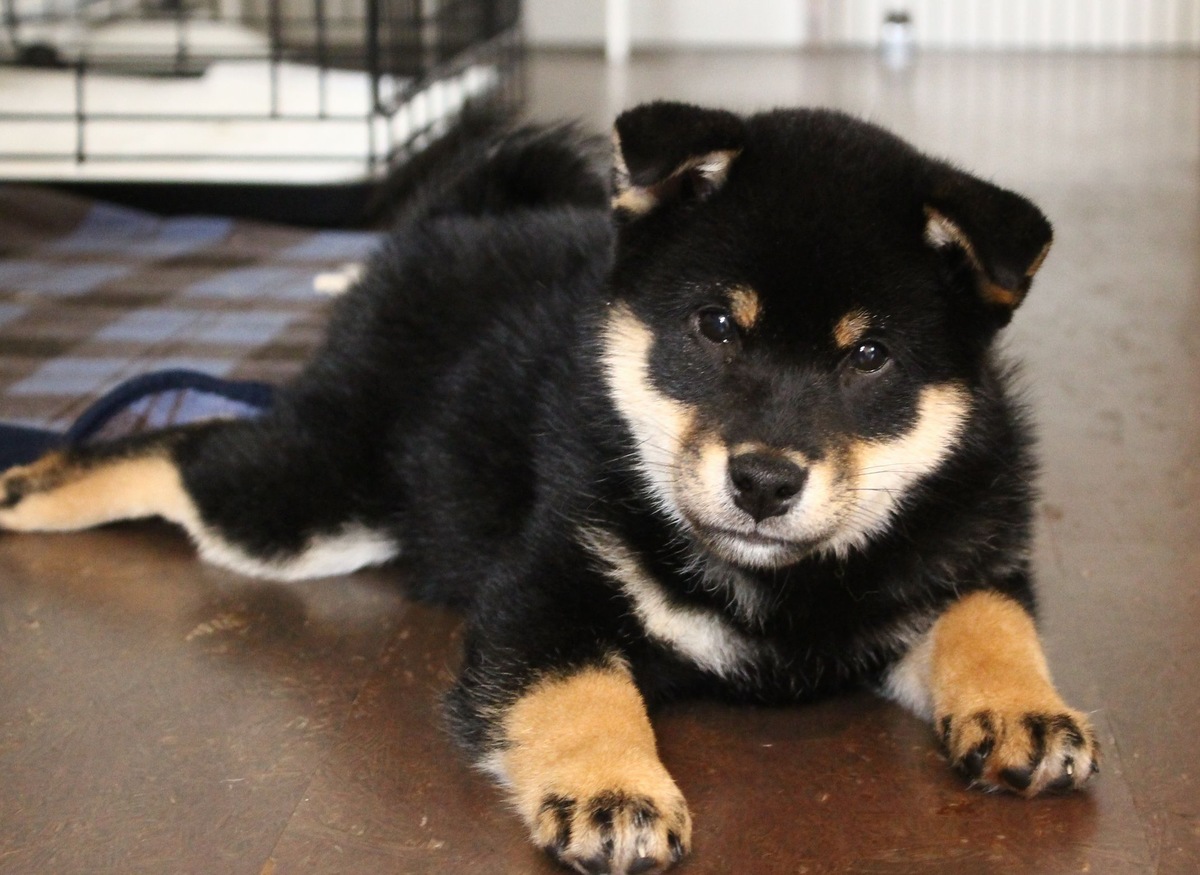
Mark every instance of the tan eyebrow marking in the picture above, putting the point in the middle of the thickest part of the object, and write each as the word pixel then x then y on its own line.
pixel 851 328
pixel 745 305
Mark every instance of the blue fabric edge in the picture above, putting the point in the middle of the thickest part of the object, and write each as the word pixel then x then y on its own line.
pixel 20 444
pixel 134 389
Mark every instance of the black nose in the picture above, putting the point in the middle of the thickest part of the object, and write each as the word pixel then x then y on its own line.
pixel 764 485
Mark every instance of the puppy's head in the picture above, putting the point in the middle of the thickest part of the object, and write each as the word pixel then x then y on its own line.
pixel 802 308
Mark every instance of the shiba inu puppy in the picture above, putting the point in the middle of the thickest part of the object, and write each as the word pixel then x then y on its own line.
pixel 732 425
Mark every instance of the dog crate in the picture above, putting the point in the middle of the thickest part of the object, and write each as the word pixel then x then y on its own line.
pixel 296 109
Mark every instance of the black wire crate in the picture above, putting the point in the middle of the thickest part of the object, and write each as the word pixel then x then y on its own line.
pixel 294 109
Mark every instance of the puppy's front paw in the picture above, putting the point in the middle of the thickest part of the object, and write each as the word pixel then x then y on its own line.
pixel 578 755
pixel 614 831
pixel 1026 752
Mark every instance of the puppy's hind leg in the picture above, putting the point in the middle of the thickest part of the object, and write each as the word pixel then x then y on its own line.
pixel 248 495
pixel 74 489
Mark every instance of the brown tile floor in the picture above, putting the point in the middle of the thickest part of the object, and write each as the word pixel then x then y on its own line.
pixel 158 716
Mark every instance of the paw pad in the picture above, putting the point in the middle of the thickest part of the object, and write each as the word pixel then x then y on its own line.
pixel 12 489
pixel 1024 752
pixel 613 833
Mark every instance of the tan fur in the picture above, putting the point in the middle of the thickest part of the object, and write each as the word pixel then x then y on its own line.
pixel 941 231
pixel 59 496
pixel 796 457
pixel 942 411
pixel 1000 296
pixel 986 654
pixel 47 472
pixel 874 475
pixel 635 200
pixel 629 198
pixel 641 199
pixel 851 328
pixel 701 488
pixel 661 424
pixel 746 306
pixel 1037 262
pixel 586 738
pixel 985 658
pixel 850 494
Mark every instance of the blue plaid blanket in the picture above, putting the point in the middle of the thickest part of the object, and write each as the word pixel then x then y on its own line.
pixel 113 319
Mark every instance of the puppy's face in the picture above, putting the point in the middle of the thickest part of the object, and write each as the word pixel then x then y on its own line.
pixel 802 307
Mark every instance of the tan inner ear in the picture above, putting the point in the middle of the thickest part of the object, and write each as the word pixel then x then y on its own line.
pixel 1037 262
pixel 941 231
pixel 639 200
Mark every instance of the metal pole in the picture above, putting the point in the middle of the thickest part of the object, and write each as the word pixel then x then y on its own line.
pixel 80 118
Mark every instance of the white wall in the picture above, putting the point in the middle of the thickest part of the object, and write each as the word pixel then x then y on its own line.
pixel 1084 24
pixel 670 22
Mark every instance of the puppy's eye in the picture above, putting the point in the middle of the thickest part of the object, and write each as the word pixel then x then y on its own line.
pixel 716 325
pixel 869 356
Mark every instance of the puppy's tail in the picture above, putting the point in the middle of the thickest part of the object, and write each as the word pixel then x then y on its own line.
pixel 494 172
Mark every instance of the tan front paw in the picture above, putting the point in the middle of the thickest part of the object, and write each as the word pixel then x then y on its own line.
pixel 614 831
pixel 579 758
pixel 1026 752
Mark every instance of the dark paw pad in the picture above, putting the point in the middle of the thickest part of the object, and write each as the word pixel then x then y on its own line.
pixel 613 833
pixel 13 489
pixel 17 484
pixel 1023 752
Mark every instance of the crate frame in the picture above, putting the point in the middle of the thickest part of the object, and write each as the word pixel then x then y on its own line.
pixel 425 64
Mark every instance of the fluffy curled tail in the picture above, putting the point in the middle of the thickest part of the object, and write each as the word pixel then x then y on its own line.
pixel 529 167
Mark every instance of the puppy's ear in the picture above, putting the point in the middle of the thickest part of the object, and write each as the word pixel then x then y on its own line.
pixel 1001 235
pixel 671 151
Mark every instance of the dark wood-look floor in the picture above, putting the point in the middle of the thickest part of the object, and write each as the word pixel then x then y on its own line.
pixel 158 716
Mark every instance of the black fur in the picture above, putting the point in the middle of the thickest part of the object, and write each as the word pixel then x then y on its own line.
pixel 458 402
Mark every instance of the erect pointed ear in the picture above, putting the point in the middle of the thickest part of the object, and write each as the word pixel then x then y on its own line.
pixel 668 151
pixel 1002 235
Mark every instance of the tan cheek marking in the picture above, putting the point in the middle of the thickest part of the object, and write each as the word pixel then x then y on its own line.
pixel 821 502
pixel 660 424
pixel 746 306
pixel 873 476
pixel 941 413
pixel 65 497
pixel 851 328
pixel 892 465
pixel 702 478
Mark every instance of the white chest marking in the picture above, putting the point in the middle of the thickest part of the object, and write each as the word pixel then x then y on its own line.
pixel 700 636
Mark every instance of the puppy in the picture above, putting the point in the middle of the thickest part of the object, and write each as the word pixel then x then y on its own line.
pixel 733 426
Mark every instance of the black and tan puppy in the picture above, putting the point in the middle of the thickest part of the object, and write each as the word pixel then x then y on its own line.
pixel 743 435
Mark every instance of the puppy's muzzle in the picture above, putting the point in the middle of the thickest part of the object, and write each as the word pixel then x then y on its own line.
pixel 765 485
